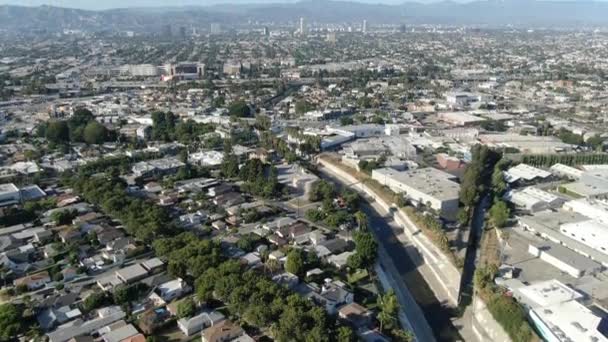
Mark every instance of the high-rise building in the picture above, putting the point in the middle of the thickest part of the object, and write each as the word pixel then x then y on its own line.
pixel 364 27
pixel 266 31
pixel 402 28
pixel 331 37
pixel 302 26
pixel 182 32
pixel 216 28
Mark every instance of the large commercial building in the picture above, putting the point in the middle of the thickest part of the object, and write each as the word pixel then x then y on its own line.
pixel 184 71
pixel 533 199
pixel 427 186
pixel 526 143
pixel 596 209
pixel 558 316
pixel 566 229
pixel 139 70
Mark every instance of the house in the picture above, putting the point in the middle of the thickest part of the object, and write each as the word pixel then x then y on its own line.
pixel 68 235
pixel 120 333
pixel 69 273
pixel 228 199
pixel 153 319
pixel 131 273
pixel 34 281
pixel 104 317
pixel 219 190
pixel 52 317
pixel 277 255
pixel 251 259
pixel 329 247
pixel 223 331
pixel 279 223
pixel 166 292
pixel 333 295
pixel 204 320
pixel 152 265
pixel 340 260
pixel 294 231
pixel 356 315
pixel 286 279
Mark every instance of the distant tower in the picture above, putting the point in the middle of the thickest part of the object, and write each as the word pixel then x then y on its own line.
pixel 364 27
pixel 302 26
pixel 216 28
pixel 331 37
pixel 402 28
pixel 182 32
pixel 266 32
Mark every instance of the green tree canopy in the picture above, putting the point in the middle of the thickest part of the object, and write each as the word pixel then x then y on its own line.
pixel 239 109
pixel 94 133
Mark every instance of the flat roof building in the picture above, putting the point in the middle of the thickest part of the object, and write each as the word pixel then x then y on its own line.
pixel 557 314
pixel 533 199
pixel 426 186
pixel 525 173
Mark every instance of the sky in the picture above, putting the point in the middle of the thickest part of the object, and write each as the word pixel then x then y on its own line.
pixel 106 4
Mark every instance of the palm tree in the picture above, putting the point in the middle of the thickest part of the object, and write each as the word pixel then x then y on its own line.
pixel 361 219
pixel 389 308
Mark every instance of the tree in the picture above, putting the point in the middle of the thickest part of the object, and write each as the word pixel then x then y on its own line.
pixel 302 107
pixel 186 308
pixel 94 133
pixel 295 262
pixel 230 166
pixel 10 321
pixel 366 249
pixel 346 120
pixel 58 132
pixel 62 217
pixel 240 109
pixel 389 310
pixel 346 334
pixel 400 335
pixel 499 213
pixel 262 122
pixel 361 219
pixel 94 300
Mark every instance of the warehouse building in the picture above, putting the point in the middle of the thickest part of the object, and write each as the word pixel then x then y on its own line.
pixel 426 186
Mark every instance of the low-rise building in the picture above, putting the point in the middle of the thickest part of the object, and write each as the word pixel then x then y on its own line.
pixel 427 186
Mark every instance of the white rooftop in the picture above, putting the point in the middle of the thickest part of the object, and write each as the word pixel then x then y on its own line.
pixel 546 293
pixel 525 172
pixel 570 322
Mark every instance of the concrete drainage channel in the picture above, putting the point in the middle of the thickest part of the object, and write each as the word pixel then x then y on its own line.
pixel 434 281
pixel 436 315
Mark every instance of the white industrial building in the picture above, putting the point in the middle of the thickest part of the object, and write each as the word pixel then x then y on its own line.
pixel 533 199
pixel 562 170
pixel 596 209
pixel 139 70
pixel 524 173
pixel 557 314
pixel 591 233
pixel 564 259
pixel 426 186
pixel 548 224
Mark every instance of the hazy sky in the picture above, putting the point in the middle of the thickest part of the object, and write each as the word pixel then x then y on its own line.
pixel 105 4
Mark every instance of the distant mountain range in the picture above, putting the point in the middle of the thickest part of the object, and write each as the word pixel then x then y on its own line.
pixel 519 13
